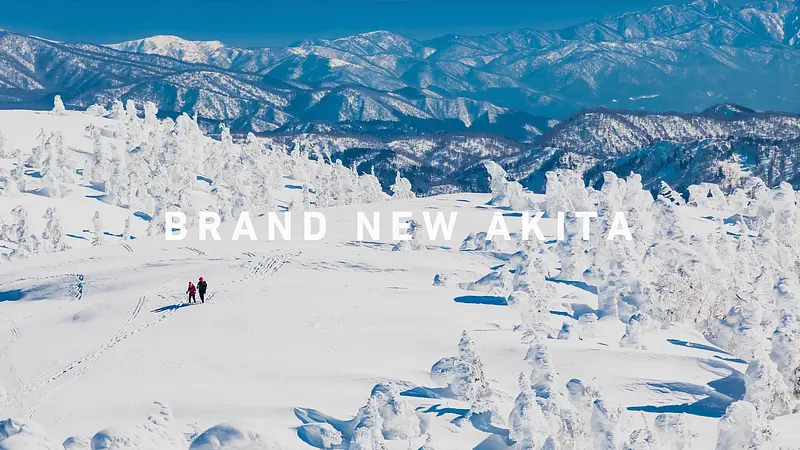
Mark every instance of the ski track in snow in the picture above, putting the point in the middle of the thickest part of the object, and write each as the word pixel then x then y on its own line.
pixel 195 250
pixel 127 247
pixel 267 266
pixel 85 362
pixel 260 270
pixel 16 333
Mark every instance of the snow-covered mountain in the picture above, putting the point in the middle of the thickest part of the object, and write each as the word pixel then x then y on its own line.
pixel 680 149
pixel 676 57
pixel 203 52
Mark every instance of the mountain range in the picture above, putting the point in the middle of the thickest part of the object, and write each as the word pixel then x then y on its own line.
pixel 671 58
pixel 720 144
pixel 655 91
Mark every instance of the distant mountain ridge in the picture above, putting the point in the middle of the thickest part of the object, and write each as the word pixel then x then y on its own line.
pixel 717 145
pixel 670 58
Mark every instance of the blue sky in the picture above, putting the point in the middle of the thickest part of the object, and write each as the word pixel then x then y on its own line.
pixel 253 23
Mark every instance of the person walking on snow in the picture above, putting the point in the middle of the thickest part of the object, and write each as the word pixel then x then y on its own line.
pixel 191 291
pixel 201 288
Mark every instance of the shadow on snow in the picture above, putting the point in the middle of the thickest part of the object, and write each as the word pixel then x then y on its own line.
pixel 482 300
pixel 719 394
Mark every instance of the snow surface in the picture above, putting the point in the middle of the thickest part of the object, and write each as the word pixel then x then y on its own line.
pixel 295 334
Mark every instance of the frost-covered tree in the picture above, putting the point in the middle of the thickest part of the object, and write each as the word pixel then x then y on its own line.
pixel 605 425
pixel 399 418
pixel 51 178
pixel 150 113
pixel 39 152
pixel 474 380
pixel 126 230
pixel 498 282
pixel 97 110
pixel 401 189
pixel 542 374
pixel 673 432
pixel 117 110
pixel 262 198
pixel 786 350
pixel 582 396
pixel 18 174
pixel 526 423
pixel 741 428
pixel 766 389
pixel 370 188
pixel 58 106
pixel 463 374
pixel 368 434
pixel 306 198
pixel 569 251
pixel 4 153
pixel 130 109
pixel 53 235
pixel 739 330
pixel 680 287
pixel 550 444
pixel 97 230
pixel 18 233
pixel 556 196
pixel 568 331
pixel 428 445
pixel 667 194
pixel 638 326
pixel 415 242
pixel 498 183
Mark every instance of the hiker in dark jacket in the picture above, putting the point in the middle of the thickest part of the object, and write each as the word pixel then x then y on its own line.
pixel 191 291
pixel 201 287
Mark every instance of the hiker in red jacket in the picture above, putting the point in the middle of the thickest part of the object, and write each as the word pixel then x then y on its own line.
pixel 191 291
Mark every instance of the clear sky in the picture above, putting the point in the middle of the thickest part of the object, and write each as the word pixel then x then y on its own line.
pixel 268 23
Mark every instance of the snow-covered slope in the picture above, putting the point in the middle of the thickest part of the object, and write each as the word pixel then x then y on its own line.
pixel 296 336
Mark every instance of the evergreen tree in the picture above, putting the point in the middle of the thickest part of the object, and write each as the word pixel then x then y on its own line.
pixel 97 224
pixel 526 423
pixel 401 189
pixel 53 235
pixel 741 428
pixel 126 230
pixel 58 106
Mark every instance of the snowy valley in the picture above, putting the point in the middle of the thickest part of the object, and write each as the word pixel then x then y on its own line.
pixel 685 337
